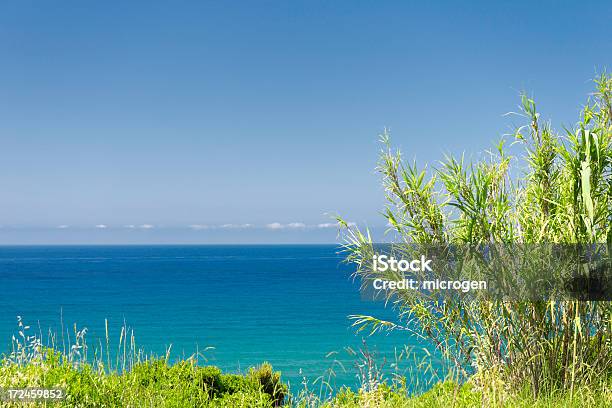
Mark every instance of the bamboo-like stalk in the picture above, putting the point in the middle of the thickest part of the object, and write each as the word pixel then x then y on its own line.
pixel 564 196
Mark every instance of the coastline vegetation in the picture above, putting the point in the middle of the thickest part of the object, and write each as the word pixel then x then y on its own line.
pixel 505 353
pixel 557 192
pixel 132 380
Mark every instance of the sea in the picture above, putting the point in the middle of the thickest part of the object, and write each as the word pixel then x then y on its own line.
pixel 235 306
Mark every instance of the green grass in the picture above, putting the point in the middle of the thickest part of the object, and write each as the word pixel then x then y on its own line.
pixel 448 394
pixel 148 383
pixel 155 383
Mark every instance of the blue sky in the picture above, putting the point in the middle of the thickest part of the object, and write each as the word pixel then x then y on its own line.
pixel 250 121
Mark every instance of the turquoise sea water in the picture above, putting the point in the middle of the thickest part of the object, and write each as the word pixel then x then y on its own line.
pixel 284 304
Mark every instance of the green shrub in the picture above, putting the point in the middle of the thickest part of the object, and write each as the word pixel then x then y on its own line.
pixel 210 379
pixel 562 195
pixel 234 383
pixel 269 382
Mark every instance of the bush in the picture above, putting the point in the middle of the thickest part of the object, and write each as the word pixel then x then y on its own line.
pixel 564 196
pixel 234 383
pixel 269 382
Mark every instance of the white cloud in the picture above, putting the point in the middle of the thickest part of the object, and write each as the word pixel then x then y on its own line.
pixel 146 226
pixel 63 226
pixel 334 225
pixel 101 226
pixel 130 226
pixel 327 225
pixel 278 225
pixel 235 226
pixel 198 227
pixel 275 226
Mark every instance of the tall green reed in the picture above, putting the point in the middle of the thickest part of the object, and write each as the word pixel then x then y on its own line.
pixel 562 196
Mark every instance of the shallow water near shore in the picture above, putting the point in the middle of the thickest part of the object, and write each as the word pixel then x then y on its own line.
pixel 286 304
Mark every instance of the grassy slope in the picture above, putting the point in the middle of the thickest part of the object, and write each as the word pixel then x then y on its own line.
pixel 156 383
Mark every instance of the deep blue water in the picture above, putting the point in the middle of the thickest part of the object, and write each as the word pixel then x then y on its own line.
pixel 284 304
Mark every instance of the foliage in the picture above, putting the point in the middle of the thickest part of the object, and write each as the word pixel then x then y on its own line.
pixel 148 383
pixel 157 383
pixel 269 382
pixel 131 379
pixel 563 196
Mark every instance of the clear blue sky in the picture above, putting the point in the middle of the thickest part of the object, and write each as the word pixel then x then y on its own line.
pixel 176 114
